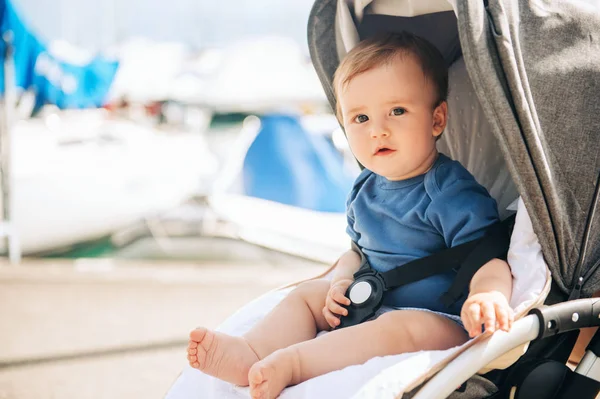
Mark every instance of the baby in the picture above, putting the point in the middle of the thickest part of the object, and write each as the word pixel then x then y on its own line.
pixel 409 202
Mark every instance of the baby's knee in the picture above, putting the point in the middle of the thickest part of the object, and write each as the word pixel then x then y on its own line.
pixel 313 294
pixel 392 318
pixel 394 325
pixel 312 289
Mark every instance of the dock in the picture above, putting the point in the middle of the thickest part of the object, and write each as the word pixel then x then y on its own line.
pixel 113 328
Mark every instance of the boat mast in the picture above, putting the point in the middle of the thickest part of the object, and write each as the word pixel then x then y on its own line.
pixel 7 103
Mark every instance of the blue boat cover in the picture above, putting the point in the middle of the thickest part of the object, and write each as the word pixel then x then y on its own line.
pixel 287 164
pixel 53 80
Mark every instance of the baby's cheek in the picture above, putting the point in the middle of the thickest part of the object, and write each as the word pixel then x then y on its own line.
pixel 355 141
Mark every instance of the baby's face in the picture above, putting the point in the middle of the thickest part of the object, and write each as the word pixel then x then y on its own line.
pixel 389 119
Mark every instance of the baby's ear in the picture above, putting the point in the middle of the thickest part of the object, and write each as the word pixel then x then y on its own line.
pixel 440 118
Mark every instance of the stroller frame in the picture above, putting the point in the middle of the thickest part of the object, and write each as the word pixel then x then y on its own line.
pixel 489 36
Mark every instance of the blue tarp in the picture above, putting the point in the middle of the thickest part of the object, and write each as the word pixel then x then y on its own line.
pixel 53 80
pixel 287 164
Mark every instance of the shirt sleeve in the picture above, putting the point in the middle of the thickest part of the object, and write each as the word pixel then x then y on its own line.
pixel 354 236
pixel 350 217
pixel 462 211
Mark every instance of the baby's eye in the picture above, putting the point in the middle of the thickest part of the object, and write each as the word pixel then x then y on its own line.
pixel 398 111
pixel 362 118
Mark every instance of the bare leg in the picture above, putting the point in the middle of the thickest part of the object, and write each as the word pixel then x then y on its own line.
pixel 396 332
pixel 297 318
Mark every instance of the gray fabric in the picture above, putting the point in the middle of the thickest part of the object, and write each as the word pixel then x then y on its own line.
pixel 444 36
pixel 322 44
pixel 468 138
pixel 477 387
pixel 536 68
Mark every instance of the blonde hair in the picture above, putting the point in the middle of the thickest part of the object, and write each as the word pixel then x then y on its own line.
pixel 386 48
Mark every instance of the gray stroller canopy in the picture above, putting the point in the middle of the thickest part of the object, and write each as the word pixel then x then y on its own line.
pixel 535 69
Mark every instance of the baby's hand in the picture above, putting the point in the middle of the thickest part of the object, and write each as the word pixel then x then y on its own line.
pixel 334 301
pixel 488 308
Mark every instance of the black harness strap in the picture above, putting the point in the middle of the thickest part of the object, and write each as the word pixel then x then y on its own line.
pixel 493 245
pixel 428 266
pixel 467 258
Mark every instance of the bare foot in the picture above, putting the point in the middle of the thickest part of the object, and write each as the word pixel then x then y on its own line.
pixel 271 375
pixel 220 355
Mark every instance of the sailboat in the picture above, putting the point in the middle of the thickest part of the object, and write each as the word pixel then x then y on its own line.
pixel 77 175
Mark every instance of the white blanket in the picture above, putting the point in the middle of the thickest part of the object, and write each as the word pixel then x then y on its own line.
pixel 380 377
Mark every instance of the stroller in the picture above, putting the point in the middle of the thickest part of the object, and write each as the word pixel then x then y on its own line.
pixel 524 77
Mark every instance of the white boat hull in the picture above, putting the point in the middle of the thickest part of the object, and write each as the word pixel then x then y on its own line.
pixel 68 188
pixel 318 236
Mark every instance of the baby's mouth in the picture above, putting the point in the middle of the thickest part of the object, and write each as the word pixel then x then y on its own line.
pixel 384 151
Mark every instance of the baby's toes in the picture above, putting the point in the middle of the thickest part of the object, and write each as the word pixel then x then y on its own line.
pixel 260 391
pixel 193 361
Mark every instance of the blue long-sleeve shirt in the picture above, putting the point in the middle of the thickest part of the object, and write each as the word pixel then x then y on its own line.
pixel 395 222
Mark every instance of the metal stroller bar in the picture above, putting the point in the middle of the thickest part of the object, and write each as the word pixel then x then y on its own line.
pixel 468 363
pixel 540 323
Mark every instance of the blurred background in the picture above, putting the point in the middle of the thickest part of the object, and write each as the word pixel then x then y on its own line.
pixel 162 163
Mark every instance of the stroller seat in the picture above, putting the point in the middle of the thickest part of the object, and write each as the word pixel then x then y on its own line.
pixel 381 377
pixel 374 379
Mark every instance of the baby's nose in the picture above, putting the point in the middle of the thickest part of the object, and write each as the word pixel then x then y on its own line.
pixel 380 130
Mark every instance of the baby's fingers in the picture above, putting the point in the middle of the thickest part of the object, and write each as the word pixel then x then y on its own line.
pixel 474 316
pixel 338 294
pixel 331 319
pixel 510 316
pixel 488 312
pixel 502 316
pixel 335 307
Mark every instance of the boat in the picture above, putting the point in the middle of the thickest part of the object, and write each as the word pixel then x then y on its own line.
pixel 284 186
pixel 80 175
